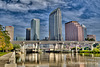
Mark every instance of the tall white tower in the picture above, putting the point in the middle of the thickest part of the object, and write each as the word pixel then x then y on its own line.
pixel 35 29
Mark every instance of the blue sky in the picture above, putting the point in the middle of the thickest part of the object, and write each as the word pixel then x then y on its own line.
pixel 18 13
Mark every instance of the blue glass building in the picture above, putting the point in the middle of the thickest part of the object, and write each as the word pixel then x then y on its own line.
pixel 55 25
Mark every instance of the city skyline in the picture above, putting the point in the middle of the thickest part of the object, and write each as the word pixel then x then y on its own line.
pixel 17 14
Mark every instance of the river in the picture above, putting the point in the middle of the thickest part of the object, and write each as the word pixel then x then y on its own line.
pixel 58 60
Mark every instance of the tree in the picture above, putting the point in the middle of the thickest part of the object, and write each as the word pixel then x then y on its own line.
pixel 2 41
pixel 16 46
pixel 98 47
pixel 5 40
pixel 89 39
pixel 95 45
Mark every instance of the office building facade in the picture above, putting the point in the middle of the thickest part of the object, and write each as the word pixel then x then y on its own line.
pixel 35 29
pixel 10 30
pixel 55 25
pixel 73 31
pixel 28 34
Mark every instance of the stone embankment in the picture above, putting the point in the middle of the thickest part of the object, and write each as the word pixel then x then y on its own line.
pixel 8 60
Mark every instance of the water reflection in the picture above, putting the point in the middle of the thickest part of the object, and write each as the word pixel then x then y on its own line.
pixel 57 60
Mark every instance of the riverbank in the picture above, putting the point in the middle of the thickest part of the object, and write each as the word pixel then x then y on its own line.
pixel 3 53
pixel 89 51
pixel 4 59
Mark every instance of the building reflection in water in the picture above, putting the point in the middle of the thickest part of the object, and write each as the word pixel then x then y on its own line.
pixel 56 60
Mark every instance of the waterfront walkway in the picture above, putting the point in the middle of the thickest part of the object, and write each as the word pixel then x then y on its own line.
pixel 4 59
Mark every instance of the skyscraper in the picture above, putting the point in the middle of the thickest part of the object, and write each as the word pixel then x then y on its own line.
pixel 28 34
pixel 84 31
pixel 35 29
pixel 55 25
pixel 73 31
pixel 10 30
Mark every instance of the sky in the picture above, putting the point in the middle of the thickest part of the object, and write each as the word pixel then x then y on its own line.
pixel 19 13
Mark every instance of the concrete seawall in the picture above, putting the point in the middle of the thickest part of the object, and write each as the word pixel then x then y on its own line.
pixel 4 59
pixel 12 61
pixel 8 60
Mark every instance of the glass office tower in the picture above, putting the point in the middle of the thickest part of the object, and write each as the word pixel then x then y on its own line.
pixel 35 29
pixel 55 25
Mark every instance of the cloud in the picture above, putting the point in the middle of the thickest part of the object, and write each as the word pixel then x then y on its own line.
pixel 25 5
pixel 19 13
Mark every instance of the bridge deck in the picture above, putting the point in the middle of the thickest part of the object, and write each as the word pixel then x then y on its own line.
pixel 53 42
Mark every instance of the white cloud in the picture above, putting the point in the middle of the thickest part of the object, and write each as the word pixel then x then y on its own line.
pixel 68 15
pixel 72 15
pixel 2 5
pixel 24 5
pixel 17 7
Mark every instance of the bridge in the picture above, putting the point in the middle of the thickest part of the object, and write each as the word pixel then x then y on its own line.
pixel 55 43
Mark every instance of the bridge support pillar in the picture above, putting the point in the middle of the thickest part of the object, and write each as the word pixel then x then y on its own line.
pixel 55 46
pixel 83 48
pixel 69 49
pixel 39 46
pixel 61 46
pixel 76 48
pixel 23 48
pixel 91 47
pixel 33 45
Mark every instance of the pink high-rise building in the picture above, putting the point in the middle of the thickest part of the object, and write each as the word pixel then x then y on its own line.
pixel 73 31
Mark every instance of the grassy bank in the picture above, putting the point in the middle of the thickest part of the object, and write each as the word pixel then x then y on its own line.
pixel 89 51
pixel 90 54
pixel 3 53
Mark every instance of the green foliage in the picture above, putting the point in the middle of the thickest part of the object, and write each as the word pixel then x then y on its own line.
pixel 16 46
pixel 1 28
pixel 2 53
pixel 95 50
pixel 95 45
pixel 75 48
pixel 91 39
pixel 86 48
pixel 98 47
pixel 90 54
pixel 85 51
